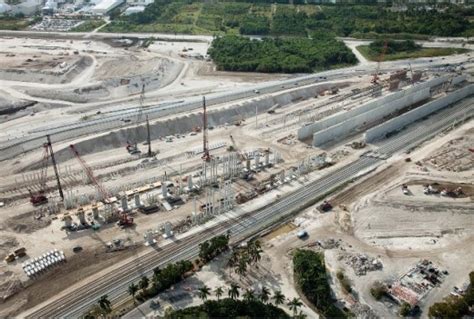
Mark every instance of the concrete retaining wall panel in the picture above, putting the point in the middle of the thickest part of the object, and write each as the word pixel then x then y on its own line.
pixel 405 119
pixel 306 131
pixel 345 128
pixel 458 79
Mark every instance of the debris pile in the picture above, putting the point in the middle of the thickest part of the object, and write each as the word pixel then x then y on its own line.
pixel 363 311
pixel 362 263
pixel 455 155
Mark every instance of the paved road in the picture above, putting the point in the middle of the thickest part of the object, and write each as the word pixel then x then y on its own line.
pixel 115 284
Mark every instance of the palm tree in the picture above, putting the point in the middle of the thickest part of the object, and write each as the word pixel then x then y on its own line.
pixel 278 298
pixel 132 290
pixel 156 271
pixel 104 303
pixel 264 294
pixel 234 291
pixel 294 304
pixel 255 251
pixel 248 295
pixel 241 268
pixel 144 282
pixel 219 292
pixel 301 315
pixel 234 259
pixel 204 292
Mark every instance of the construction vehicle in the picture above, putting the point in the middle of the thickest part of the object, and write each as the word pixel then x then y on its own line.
pixel 375 78
pixel 20 252
pixel 39 197
pixel 124 219
pixel 10 258
pixel 132 148
pixel 405 190
pixel 325 206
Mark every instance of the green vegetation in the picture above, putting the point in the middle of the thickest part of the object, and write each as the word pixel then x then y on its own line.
pixel 312 278
pixel 17 22
pixel 292 55
pixel 210 249
pixel 163 279
pixel 230 308
pixel 261 18
pixel 408 49
pixel 455 306
pixel 378 290
pixel 244 257
pixel 394 46
pixel 405 309
pixel 344 281
pixel 255 24
pixel 89 25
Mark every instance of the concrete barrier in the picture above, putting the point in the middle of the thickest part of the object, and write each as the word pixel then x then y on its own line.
pixel 307 131
pixel 405 119
pixel 458 79
pixel 351 125
pixel 185 124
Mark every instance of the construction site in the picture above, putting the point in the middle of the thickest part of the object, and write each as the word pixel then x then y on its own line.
pixel 115 148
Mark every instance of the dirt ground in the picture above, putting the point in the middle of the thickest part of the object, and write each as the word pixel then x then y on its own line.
pixel 108 77
pixel 76 268
pixel 373 218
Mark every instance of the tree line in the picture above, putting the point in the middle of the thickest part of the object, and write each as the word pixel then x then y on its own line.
pixel 312 278
pixel 289 55
pixel 393 46
pixel 340 20
pixel 455 306
pixel 252 304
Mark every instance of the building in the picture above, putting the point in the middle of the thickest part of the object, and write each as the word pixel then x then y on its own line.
pixel 134 9
pixel 28 7
pixel 4 8
pixel 105 6
pixel 139 2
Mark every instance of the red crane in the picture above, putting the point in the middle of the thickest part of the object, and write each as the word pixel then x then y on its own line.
pixel 124 220
pixel 39 197
pixel 375 78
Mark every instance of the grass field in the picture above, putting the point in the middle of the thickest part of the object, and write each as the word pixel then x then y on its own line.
pixel 7 23
pixel 88 26
pixel 423 52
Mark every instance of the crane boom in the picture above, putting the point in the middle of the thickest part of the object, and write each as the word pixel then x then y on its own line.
pixel 38 198
pixel 124 219
pixel 90 174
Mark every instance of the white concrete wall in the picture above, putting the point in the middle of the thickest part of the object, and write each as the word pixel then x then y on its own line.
pixel 350 126
pixel 458 79
pixel 405 119
pixel 306 131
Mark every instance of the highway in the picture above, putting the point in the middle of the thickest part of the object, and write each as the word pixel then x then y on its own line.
pixel 115 120
pixel 243 225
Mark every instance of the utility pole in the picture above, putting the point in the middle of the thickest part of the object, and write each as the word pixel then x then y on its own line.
pixel 411 71
pixel 50 146
pixel 148 138
pixel 256 115
pixel 205 143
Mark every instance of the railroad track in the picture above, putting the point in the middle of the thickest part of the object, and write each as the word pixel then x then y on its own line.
pixel 241 226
